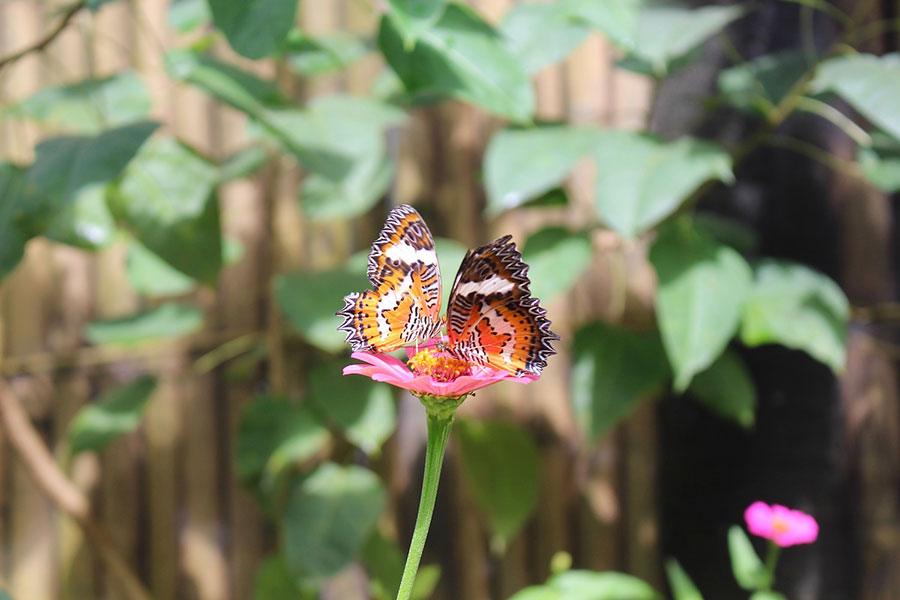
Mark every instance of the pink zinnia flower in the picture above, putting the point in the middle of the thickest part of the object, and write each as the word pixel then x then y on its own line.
pixel 430 372
pixel 782 525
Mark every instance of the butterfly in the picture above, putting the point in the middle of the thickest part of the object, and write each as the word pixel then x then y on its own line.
pixel 492 320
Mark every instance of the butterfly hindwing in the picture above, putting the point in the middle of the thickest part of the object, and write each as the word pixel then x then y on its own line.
pixel 492 318
pixel 404 305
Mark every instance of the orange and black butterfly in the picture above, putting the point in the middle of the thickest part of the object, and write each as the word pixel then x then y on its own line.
pixel 491 318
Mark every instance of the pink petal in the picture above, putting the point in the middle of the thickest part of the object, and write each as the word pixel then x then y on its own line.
pixel 760 520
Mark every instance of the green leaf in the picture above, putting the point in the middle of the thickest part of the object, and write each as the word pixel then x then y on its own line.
pixel 726 388
pixel 384 565
pixel 523 163
pixel 541 34
pixel 328 517
pixel 767 595
pixel 167 198
pixel 556 258
pixel 702 289
pixel 307 55
pixel 85 222
pixel 362 409
pixel 15 216
pixel 88 106
pixel 615 18
pixel 537 592
pixel 641 180
pixel 165 321
pixel 758 85
pixel 274 434
pixel 682 586
pixel 589 585
pixel 503 467
pixel 748 569
pixel 94 5
pixel 254 29
pixel 359 190
pixel 426 582
pixel 612 370
pixel 152 276
pixel 186 15
pixel 871 84
pixel 243 163
pixel 414 17
pixel 113 415
pixel 274 581
pixel 727 231
pixel 462 57
pixel 4 595
pixel 880 163
pixel 667 33
pixel 310 299
pixel 800 308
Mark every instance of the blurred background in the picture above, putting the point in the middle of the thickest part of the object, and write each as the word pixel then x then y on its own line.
pixel 188 190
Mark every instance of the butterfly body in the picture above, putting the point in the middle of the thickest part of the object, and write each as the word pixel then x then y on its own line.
pixel 492 319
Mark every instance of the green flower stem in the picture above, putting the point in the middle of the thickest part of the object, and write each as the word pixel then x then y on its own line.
pixel 771 562
pixel 441 413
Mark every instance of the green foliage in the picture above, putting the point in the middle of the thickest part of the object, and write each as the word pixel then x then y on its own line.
pixel 462 57
pixel 556 258
pixel 880 163
pixel 522 163
pixel 540 34
pixel 870 83
pixel 165 321
pixel 502 464
pixel 749 571
pixel 307 55
pixel 767 595
pixel 797 307
pixel 328 517
pixel 682 586
pixel 617 19
pixel 726 388
pixel 702 289
pixel 274 581
pixel 589 585
pixel 642 180
pixel 757 86
pixel 612 370
pixel 187 15
pixel 15 216
pixel 363 410
pixel 113 415
pixel 415 17
pixel 167 198
pixel 254 29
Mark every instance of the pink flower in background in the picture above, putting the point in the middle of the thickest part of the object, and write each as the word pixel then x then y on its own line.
pixel 430 372
pixel 782 525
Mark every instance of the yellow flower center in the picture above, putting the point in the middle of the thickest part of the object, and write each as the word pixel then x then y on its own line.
pixel 780 526
pixel 438 366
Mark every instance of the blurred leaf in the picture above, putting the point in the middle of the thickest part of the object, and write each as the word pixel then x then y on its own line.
pixel 328 517
pixel 152 276
pixel 702 289
pixel 167 198
pixel 748 569
pixel 797 307
pixel 165 321
pixel 462 57
pixel 553 197
pixel 114 414
pixel 767 595
pixel 186 15
pixel 537 592
pixel 327 53
pixel 682 586
pixel 84 222
pixel 641 180
pixel 310 299
pixel 243 163
pixel 274 582
pixel 254 29
pixel 871 84
pixel 612 370
pixel 665 33
pixel 362 409
pixel 88 106
pixel 359 190
pixel 726 388
pixel 15 216
pixel 728 231
pixel 414 17
pixel 615 18
pixel 589 585
pixel 94 5
pixel 556 258
pixel 4 595
pixel 760 84
pixel 523 163
pixel 503 467
pixel 880 163
pixel 540 34
pixel 426 582
pixel 384 565
pixel 274 434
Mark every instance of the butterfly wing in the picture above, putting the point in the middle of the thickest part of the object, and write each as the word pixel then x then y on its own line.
pixel 492 318
pixel 404 304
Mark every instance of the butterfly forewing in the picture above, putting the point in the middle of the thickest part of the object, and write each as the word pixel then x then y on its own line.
pixel 492 318
pixel 404 305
